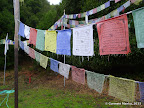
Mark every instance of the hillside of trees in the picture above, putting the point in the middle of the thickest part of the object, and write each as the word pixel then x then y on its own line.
pixel 40 14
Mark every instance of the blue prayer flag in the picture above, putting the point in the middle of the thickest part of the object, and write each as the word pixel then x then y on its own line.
pixel 107 4
pixel 54 65
pixel 141 89
pixel 21 29
pixel 63 42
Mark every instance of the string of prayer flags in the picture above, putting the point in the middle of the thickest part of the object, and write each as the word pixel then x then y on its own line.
pixel 138 16
pixel 95 81
pixel 31 53
pixel 78 75
pixel 43 61
pixel 33 36
pixel 121 88
pixel 83 41
pixel 40 41
pixel 54 65
pixel 26 49
pixel 27 32
pixel 114 36
pixel 21 29
pixel 63 42
pixel 37 56
pixel 64 69
pixel 50 41
pixel 141 89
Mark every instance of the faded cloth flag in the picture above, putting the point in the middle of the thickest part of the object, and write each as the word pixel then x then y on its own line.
pixel 54 65
pixel 78 75
pixel 114 36
pixel 83 41
pixel 31 53
pixel 50 41
pixel 37 56
pixel 117 1
pixel 26 49
pixel 33 36
pixel 21 29
pixel 43 61
pixel 138 16
pixel 95 81
pixel 27 31
pixel 21 45
pixel 63 42
pixel 123 89
pixel 40 41
pixel 141 89
pixel 64 69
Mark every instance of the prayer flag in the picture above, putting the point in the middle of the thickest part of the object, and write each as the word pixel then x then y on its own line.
pixel 64 69
pixel 40 41
pixel 50 41
pixel 6 45
pixel 54 65
pixel 141 89
pixel 138 16
pixel 33 36
pixel 95 81
pixel 31 53
pixel 26 49
pixel 83 41
pixel 117 1
pixel 21 45
pixel 63 42
pixel 27 31
pixel 78 75
pixel 114 36
pixel 121 88
pixel 21 29
pixel 43 61
pixel 37 56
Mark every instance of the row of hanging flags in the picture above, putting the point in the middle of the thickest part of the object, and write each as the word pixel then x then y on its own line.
pixel 113 36
pixel 113 39
pixel 121 88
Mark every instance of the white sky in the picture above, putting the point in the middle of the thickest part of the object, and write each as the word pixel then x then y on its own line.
pixel 54 1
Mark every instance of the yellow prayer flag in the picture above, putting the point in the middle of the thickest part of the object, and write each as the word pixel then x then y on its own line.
pixel 121 88
pixel 50 41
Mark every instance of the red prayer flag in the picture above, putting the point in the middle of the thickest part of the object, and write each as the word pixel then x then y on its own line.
pixel 114 36
pixel 33 35
pixel 78 75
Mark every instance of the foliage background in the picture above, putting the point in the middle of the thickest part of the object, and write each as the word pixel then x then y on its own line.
pixel 41 15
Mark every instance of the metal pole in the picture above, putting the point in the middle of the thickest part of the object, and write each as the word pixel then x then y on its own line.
pixel 64 55
pixel 17 17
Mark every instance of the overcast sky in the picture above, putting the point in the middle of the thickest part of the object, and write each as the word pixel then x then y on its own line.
pixel 54 1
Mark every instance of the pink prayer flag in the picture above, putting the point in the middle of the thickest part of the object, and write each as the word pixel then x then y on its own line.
pixel 114 36
pixel 78 75
pixel 33 36
pixel 32 53
pixel 79 15
pixel 117 1
pixel 95 10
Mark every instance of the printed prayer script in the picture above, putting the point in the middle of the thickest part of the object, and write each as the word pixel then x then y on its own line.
pixel 114 36
pixel 83 41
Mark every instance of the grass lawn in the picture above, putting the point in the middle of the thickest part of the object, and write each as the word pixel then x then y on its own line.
pixel 47 91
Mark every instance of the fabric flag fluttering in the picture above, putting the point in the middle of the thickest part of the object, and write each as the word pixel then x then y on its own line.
pixel 83 41
pixel 21 45
pixel 121 88
pixel 26 49
pixel 50 41
pixel 114 36
pixel 138 16
pixel 21 29
pixel 64 69
pixel 6 45
pixel 40 41
pixel 27 32
pixel 31 52
pixel 117 1
pixel 43 61
pixel 63 42
pixel 95 81
pixel 33 36
pixel 54 65
pixel 78 75
pixel 141 89
pixel 37 56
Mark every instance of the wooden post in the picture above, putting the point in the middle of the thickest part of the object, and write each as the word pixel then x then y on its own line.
pixel 17 17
